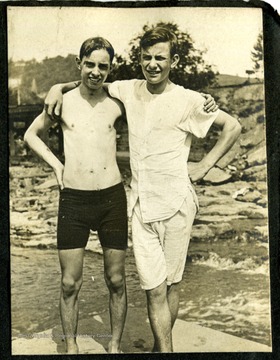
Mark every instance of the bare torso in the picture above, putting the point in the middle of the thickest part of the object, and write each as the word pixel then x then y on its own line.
pixel 90 142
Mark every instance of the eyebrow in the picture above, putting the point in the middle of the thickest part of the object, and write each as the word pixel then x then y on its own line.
pixel 92 63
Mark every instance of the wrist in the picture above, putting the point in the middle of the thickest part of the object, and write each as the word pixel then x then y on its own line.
pixel 207 163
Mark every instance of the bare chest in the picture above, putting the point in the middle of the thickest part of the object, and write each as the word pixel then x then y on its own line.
pixel 82 118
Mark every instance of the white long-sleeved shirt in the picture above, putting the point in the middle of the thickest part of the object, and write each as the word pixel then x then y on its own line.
pixel 160 132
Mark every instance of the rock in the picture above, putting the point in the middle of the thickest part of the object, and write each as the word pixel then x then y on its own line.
pixel 248 195
pixel 262 202
pixel 262 230
pixel 201 232
pixel 216 176
pixel 258 213
pixel 94 246
pixel 221 229
pixel 209 219
pixel 258 172
pixel 47 184
pixel 205 201
pixel 254 138
pixel 257 156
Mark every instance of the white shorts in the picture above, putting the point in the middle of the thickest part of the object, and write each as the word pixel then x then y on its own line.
pixel 160 248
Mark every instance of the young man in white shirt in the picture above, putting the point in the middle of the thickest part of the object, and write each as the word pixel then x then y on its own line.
pixel 162 118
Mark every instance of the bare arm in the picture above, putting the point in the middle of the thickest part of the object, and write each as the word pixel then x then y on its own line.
pixel 32 137
pixel 230 131
pixel 54 98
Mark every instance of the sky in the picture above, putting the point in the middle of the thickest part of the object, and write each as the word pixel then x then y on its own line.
pixel 228 34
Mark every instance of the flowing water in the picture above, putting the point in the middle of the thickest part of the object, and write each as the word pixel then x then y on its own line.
pixel 222 293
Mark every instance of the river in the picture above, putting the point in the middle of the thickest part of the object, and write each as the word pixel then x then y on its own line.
pixel 228 295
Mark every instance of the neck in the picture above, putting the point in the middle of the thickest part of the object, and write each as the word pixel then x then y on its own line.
pixel 90 93
pixel 160 88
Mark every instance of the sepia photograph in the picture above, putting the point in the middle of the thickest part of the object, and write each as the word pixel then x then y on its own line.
pixel 138 180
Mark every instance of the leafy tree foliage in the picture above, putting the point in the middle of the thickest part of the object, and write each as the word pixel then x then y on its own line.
pixel 257 53
pixel 36 78
pixel 191 72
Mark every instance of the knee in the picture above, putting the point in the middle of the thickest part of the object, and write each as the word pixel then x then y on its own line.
pixel 115 282
pixel 157 295
pixel 70 286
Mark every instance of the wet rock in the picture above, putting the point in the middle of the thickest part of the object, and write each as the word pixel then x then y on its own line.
pixel 258 213
pixel 223 210
pixel 201 232
pixel 205 201
pixel 222 229
pixel 212 219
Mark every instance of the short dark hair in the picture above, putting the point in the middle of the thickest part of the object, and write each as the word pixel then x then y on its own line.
pixel 96 43
pixel 159 34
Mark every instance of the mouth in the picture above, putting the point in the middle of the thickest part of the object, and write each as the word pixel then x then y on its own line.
pixel 153 73
pixel 94 81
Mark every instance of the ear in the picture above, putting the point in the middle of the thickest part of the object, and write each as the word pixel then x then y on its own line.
pixel 112 67
pixel 78 62
pixel 175 60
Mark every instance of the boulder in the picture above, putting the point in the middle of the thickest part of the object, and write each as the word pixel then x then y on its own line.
pixel 216 176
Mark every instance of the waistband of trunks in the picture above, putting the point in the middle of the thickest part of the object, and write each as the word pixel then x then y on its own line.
pixel 92 193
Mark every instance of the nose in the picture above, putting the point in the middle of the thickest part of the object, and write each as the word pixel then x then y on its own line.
pixel 152 63
pixel 95 70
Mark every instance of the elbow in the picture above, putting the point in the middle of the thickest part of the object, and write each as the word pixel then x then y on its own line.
pixel 25 137
pixel 238 128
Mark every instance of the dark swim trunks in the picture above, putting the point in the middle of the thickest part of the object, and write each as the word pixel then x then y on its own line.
pixel 103 210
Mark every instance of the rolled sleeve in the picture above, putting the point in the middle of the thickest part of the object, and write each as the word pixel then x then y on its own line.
pixel 198 121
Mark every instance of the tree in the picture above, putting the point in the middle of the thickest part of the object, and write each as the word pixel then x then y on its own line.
pixel 191 72
pixel 257 53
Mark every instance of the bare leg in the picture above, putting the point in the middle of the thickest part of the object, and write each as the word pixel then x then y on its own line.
pixel 114 273
pixel 71 262
pixel 160 317
pixel 173 301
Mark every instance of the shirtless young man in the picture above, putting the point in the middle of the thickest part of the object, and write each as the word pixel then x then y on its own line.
pixel 92 195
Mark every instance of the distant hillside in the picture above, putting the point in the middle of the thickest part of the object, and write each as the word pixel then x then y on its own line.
pixel 231 80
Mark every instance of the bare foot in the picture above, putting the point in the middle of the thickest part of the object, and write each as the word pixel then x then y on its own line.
pixel 72 349
pixel 155 348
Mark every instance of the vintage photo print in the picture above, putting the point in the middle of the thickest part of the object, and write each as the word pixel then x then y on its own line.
pixel 76 300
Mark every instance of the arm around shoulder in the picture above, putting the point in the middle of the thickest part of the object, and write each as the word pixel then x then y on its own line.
pixel 54 98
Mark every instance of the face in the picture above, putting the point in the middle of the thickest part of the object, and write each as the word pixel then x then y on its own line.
pixel 156 63
pixel 94 69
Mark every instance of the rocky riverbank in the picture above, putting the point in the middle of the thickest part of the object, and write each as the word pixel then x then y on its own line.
pixel 234 210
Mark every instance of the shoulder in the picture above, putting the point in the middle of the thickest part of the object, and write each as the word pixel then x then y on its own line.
pixel 115 103
pixel 187 97
pixel 124 84
pixel 72 94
